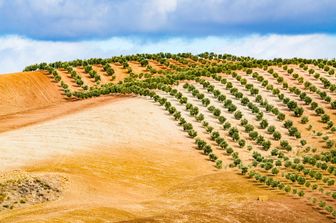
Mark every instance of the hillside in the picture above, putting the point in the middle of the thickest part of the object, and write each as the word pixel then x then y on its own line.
pixel 26 91
pixel 150 138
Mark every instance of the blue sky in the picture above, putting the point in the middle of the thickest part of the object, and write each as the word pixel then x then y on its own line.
pixel 47 30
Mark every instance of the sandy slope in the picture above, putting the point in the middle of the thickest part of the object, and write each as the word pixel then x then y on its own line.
pixel 25 91
pixel 111 124
pixel 126 160
pixel 21 119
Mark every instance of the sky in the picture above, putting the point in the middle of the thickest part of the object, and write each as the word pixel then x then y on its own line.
pixel 33 31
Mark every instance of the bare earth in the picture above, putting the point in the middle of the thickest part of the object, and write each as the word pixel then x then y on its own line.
pixel 25 91
pixel 125 160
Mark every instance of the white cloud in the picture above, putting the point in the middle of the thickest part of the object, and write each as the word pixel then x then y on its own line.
pixel 17 52
pixel 155 14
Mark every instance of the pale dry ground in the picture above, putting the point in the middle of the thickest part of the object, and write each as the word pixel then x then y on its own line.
pixel 95 127
pixel 18 120
pixel 127 161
